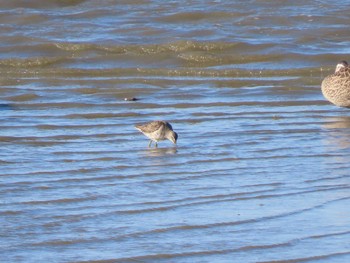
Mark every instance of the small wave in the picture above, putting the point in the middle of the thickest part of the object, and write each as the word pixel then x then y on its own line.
pixel 29 62
pixel 206 252
pixel 173 47
pixel 308 259
pixel 37 4
pixel 4 106
pixel 63 242
pixel 5 162
pixel 31 68
pixel 63 200
pixel 196 16
pixel 23 97
pixel 10 212
pixel 91 116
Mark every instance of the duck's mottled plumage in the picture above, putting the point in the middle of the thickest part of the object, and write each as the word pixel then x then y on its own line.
pixel 336 87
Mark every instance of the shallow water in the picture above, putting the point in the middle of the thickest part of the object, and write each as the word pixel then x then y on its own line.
pixel 261 169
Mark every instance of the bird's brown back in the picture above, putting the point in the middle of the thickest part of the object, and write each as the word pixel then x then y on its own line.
pixel 152 126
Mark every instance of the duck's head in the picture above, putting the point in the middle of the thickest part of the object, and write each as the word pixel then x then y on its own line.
pixel 342 64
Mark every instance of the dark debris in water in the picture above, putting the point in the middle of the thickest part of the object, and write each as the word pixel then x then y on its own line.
pixel 131 99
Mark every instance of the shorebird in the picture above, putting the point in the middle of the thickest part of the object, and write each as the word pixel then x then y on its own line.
pixel 336 87
pixel 157 131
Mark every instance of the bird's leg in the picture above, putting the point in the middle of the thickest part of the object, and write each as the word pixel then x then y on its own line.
pixel 156 144
pixel 150 143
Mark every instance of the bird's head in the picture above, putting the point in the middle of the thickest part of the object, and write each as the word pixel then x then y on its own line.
pixel 173 137
pixel 342 64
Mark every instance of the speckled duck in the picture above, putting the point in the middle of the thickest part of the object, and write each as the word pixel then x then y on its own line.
pixel 336 87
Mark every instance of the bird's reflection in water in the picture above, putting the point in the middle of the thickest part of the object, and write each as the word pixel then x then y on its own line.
pixel 159 152
pixel 338 132
pixel 339 122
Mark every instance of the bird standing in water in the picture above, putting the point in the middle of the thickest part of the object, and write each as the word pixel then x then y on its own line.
pixel 158 131
pixel 336 87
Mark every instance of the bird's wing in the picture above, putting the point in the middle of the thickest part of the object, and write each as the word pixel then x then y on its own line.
pixel 150 126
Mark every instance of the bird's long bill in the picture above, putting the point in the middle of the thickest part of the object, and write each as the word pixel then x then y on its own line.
pixel 173 137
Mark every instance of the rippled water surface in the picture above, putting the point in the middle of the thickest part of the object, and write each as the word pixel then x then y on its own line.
pixel 261 169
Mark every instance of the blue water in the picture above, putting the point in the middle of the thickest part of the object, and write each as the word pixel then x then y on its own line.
pixel 261 169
